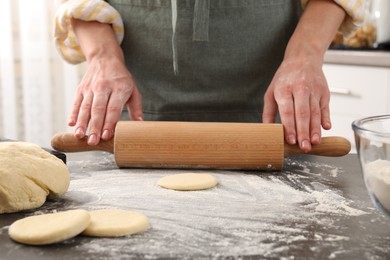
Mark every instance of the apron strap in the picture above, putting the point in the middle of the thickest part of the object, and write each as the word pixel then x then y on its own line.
pixel 201 20
pixel 174 47
pixel 200 26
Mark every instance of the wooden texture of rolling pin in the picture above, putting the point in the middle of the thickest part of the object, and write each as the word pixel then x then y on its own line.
pixel 199 145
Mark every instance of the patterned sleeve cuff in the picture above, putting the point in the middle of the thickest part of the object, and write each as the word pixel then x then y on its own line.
pixel 87 10
pixel 355 15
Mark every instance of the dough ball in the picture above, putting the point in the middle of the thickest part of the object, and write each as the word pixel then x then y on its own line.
pixel 188 181
pixel 115 223
pixel 49 228
pixel 29 174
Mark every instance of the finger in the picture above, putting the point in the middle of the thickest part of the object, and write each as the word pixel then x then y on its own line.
pixel 75 110
pixel 302 118
pixel 98 113
pixel 287 112
pixel 83 116
pixel 135 105
pixel 315 121
pixel 113 113
pixel 325 114
pixel 270 109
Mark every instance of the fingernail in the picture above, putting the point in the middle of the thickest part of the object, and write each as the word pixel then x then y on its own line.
pixel 315 139
pixel 71 122
pixel 328 125
pixel 92 139
pixel 106 134
pixel 79 132
pixel 305 145
pixel 140 118
pixel 292 139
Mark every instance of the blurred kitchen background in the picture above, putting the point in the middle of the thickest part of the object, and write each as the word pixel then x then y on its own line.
pixel 37 87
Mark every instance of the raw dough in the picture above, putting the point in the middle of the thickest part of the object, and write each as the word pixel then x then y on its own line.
pixel 49 228
pixel 188 181
pixel 115 223
pixel 28 174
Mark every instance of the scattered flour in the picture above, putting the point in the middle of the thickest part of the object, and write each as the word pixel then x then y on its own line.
pixel 247 213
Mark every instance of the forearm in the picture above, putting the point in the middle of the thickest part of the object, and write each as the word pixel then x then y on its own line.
pixel 315 30
pixel 97 40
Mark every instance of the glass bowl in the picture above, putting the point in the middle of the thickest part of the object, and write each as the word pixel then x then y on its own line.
pixel 372 137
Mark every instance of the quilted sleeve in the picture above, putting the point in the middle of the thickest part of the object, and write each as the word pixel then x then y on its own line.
pixel 87 10
pixel 355 15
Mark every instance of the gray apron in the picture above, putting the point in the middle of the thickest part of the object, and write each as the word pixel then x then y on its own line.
pixel 205 60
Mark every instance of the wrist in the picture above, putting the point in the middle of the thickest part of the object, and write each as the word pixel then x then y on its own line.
pixel 110 51
pixel 305 52
pixel 97 40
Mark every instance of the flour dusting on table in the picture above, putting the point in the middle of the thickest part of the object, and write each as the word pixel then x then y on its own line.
pixel 247 213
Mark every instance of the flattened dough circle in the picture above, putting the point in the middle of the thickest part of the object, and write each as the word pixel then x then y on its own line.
pixel 188 181
pixel 49 228
pixel 115 223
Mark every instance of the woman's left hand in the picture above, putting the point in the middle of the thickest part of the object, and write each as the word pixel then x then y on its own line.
pixel 299 92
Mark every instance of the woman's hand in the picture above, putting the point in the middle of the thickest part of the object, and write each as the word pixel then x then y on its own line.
pixel 107 85
pixel 299 91
pixel 104 90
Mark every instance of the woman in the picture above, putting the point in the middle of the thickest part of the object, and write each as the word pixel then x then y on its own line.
pixel 203 60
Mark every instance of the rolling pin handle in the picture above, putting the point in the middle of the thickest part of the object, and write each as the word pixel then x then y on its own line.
pixel 67 142
pixel 332 146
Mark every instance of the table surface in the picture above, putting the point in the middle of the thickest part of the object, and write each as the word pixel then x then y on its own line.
pixel 315 208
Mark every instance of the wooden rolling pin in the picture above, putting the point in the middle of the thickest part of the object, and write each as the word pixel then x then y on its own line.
pixel 199 145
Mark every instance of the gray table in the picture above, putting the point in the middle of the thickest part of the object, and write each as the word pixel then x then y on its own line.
pixel 316 208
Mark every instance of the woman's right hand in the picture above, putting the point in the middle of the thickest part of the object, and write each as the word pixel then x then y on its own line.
pixel 106 87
